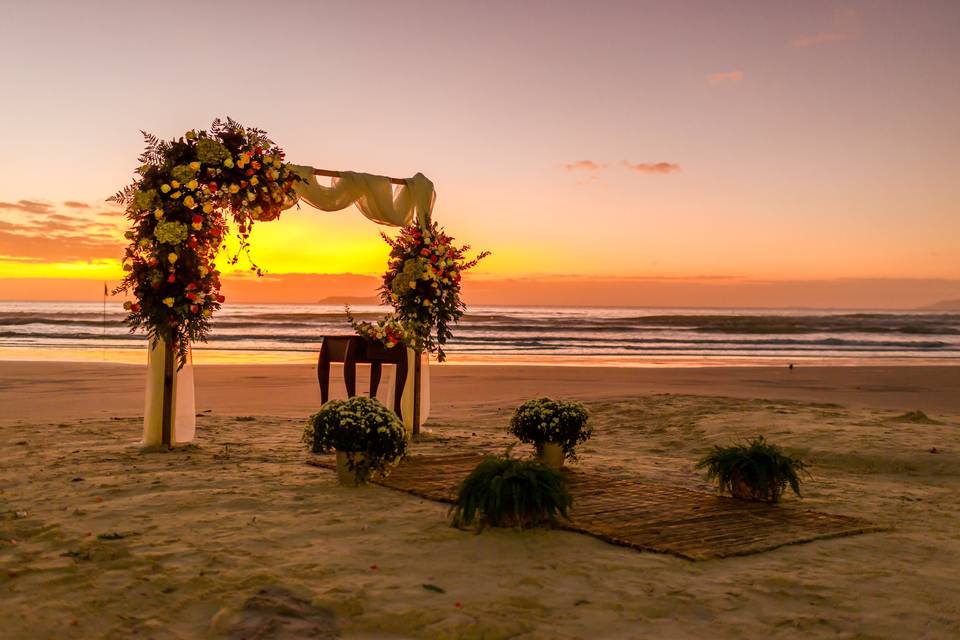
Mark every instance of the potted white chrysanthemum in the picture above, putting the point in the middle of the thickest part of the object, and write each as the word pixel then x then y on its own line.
pixel 368 437
pixel 554 427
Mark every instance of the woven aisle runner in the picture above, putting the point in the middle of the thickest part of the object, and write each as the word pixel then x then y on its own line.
pixel 643 515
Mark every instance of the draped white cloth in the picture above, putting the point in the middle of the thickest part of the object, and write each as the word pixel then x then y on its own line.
pixel 374 196
pixel 184 404
pixel 377 199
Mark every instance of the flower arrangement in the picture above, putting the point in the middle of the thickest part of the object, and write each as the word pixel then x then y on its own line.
pixel 754 470
pixel 389 331
pixel 551 421
pixel 179 207
pixel 422 282
pixel 358 425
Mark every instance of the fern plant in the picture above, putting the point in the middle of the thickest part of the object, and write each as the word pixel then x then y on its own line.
pixel 508 492
pixel 754 470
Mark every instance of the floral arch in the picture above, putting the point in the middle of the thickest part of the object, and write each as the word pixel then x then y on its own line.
pixel 188 193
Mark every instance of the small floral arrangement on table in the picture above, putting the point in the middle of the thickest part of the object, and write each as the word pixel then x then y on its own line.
pixel 544 420
pixel 422 282
pixel 179 206
pixel 389 331
pixel 358 425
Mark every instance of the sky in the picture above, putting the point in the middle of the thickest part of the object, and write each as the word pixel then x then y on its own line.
pixel 668 152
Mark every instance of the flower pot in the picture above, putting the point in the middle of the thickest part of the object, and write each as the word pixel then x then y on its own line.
pixel 346 476
pixel 551 454
pixel 741 490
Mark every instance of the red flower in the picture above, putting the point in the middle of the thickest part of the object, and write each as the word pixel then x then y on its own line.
pixel 220 298
pixel 194 308
pixel 196 219
pixel 212 186
pixel 424 252
pixel 171 278
pixel 135 307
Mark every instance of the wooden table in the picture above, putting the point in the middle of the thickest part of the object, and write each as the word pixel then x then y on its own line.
pixel 353 349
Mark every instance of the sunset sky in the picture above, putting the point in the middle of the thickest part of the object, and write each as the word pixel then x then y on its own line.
pixel 684 147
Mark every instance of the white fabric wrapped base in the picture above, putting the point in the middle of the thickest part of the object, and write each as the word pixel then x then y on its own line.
pixel 184 403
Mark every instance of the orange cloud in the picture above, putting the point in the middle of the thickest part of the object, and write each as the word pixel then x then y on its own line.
pixel 42 235
pixel 724 77
pixel 652 167
pixel 846 26
pixel 584 165
pixel 29 206
pixel 73 204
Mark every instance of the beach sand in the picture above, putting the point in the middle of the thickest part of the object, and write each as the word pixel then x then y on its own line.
pixel 235 536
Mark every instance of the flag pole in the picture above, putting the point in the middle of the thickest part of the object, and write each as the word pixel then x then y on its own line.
pixel 103 344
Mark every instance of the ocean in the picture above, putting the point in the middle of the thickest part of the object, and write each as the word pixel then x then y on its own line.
pixel 539 335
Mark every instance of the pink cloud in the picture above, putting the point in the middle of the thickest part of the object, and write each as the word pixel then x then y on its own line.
pixel 845 26
pixel 584 165
pixel 652 167
pixel 724 77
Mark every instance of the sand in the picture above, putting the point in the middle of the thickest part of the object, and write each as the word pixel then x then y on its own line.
pixel 235 536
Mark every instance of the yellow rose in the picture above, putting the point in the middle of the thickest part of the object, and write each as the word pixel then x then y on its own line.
pixel 172 257
pixel 276 163
pixel 251 195
pixel 189 202
pixel 197 226
pixel 203 271
pixel 168 301
pixel 234 188
pixel 207 313
pixel 192 185
pixel 207 208
pixel 175 195
pixel 158 213
pixel 228 163
pixel 267 159
pixel 165 188
pixel 254 181
pixel 195 166
pixel 174 184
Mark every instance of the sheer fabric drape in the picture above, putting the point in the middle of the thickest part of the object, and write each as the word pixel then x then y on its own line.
pixel 374 195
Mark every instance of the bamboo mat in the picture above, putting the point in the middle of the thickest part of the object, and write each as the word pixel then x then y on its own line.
pixel 643 515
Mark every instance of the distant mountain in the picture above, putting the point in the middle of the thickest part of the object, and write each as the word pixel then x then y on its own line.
pixel 943 305
pixel 352 300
